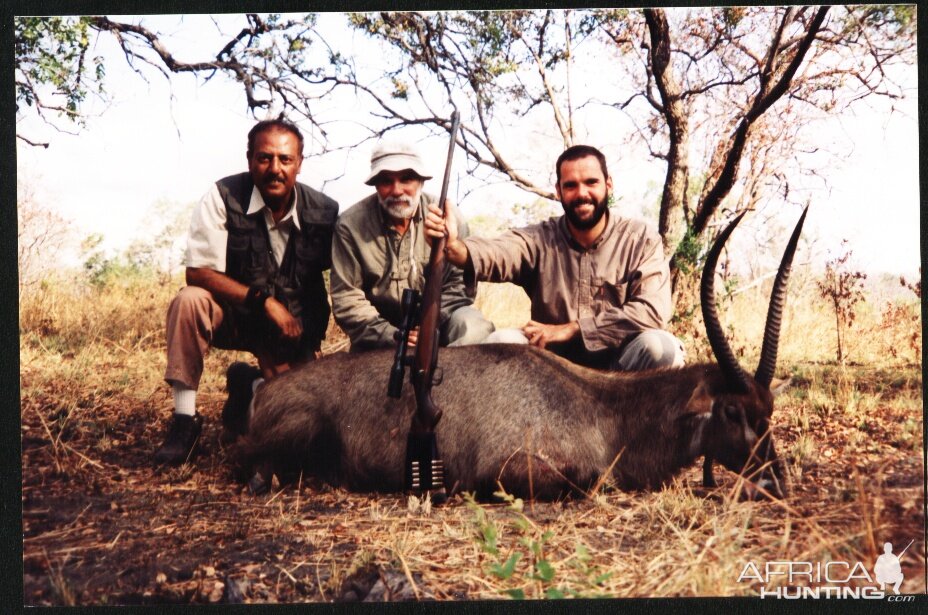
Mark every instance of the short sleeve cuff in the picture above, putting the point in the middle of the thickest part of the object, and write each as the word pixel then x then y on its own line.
pixel 207 237
pixel 203 250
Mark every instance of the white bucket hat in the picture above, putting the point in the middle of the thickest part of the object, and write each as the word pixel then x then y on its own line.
pixel 395 156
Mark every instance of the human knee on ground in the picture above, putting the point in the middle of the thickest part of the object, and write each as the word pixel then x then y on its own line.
pixel 651 349
pixel 509 335
pixel 467 325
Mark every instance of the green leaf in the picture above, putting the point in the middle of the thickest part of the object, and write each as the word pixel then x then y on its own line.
pixel 506 570
pixel 535 546
pixel 504 496
pixel 553 593
pixel 489 538
pixel 516 594
pixel 544 570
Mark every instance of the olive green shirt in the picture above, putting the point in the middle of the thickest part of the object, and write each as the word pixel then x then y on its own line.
pixel 617 287
pixel 371 266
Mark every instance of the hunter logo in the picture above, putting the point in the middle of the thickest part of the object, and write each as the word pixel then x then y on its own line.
pixel 888 570
pixel 830 580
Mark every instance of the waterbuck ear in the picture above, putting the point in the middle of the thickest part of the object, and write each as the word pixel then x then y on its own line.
pixel 777 386
pixel 700 402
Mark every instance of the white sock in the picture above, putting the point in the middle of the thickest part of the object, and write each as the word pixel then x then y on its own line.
pixel 185 399
pixel 254 387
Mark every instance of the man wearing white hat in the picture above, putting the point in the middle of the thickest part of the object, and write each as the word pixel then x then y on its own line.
pixel 380 248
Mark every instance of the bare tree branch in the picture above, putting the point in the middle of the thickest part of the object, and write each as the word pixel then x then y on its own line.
pixel 766 97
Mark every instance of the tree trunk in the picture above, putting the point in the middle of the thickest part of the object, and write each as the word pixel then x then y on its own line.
pixel 671 220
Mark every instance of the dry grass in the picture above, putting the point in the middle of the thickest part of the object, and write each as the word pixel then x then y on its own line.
pixel 101 526
pixel 506 305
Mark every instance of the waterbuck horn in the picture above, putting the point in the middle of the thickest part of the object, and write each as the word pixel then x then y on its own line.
pixel 768 353
pixel 734 374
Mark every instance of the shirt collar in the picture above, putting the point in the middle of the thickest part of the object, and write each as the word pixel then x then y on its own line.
pixel 256 204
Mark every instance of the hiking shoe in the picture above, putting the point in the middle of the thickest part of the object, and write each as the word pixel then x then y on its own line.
pixel 180 444
pixel 239 378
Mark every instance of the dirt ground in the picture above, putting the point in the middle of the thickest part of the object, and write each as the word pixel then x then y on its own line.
pixel 101 525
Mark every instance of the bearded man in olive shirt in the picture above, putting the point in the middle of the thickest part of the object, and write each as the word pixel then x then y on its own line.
pixel 599 283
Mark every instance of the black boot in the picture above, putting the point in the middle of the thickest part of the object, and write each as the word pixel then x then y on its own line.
pixel 180 444
pixel 239 378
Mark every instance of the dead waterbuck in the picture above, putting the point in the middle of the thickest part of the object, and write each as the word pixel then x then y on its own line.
pixel 527 419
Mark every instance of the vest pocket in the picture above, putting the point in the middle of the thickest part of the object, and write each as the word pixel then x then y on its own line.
pixel 238 258
pixel 238 243
pixel 312 252
pixel 308 253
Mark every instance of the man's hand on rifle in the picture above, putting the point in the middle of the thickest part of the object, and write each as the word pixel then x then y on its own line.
pixel 413 338
pixel 437 227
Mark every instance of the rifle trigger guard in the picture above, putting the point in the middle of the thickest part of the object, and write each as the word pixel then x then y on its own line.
pixel 438 375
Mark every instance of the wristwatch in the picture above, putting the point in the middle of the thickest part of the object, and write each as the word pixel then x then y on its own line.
pixel 255 298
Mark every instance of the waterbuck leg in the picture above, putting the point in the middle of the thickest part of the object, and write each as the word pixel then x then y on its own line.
pixel 260 482
pixel 708 480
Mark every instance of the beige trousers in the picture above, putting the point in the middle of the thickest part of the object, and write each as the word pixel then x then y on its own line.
pixel 195 323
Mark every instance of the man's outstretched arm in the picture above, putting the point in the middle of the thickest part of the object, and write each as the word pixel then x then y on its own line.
pixel 538 334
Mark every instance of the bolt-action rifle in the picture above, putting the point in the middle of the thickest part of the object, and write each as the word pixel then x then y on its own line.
pixel 424 467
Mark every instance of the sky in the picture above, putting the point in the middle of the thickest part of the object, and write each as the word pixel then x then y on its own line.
pixel 169 141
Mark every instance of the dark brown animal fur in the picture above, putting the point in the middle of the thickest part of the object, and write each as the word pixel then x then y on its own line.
pixel 513 414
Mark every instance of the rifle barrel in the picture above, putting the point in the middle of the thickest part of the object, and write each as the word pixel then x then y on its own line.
pixel 455 125
pixel 901 553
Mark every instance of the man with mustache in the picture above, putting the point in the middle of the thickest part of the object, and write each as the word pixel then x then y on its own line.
pixel 599 283
pixel 380 248
pixel 257 248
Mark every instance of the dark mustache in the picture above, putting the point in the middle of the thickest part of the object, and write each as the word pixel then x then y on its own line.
pixel 578 202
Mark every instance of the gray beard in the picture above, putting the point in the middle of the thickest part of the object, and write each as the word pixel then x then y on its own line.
pixel 400 208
